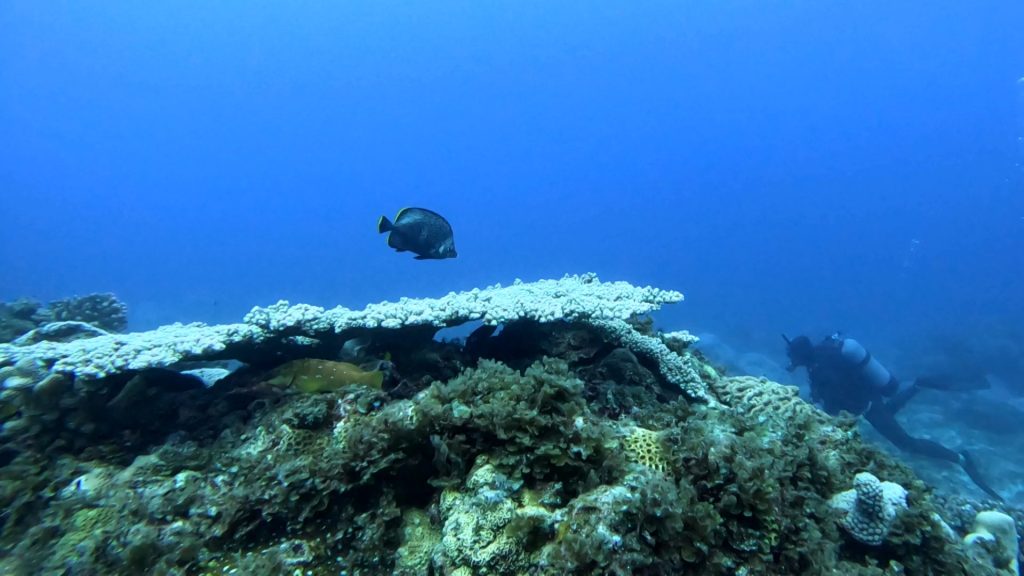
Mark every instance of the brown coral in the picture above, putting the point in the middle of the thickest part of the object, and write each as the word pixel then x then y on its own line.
pixel 763 400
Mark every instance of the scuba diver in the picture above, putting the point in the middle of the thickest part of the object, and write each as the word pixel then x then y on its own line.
pixel 845 376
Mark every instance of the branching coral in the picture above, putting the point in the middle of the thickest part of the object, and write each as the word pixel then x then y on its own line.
pixel 101 310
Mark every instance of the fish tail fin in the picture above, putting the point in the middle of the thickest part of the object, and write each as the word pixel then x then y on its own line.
pixel 384 225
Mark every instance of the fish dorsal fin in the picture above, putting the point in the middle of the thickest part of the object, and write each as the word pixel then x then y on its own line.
pixel 418 209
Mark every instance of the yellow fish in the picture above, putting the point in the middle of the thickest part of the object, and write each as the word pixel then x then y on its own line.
pixel 312 375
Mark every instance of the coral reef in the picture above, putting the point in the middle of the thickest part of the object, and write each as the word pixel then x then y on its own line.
pixel 645 447
pixel 17 318
pixel 994 537
pixel 575 440
pixel 572 299
pixel 103 311
pixel 869 508
pixel 673 367
pixel 113 354
pixel 65 331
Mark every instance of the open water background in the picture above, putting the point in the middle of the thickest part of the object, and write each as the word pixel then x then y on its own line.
pixel 790 166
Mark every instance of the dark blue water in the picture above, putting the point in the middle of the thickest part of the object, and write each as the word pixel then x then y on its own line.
pixel 791 167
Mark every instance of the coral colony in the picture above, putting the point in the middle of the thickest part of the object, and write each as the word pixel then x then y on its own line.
pixel 563 435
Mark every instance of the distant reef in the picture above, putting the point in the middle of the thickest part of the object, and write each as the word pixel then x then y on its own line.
pixel 101 311
pixel 564 434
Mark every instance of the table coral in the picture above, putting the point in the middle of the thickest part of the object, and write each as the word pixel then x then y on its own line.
pixel 583 298
pixel 673 367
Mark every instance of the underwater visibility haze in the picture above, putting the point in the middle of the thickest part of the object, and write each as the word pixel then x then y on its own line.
pixel 798 168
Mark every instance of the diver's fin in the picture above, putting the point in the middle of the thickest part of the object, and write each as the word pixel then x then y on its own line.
pixel 967 463
pixel 949 383
pixel 384 225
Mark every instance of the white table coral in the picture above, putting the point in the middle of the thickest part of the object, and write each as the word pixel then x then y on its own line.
pixel 572 298
pixel 113 353
pixel 582 298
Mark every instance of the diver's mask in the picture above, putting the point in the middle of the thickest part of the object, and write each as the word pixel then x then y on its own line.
pixel 800 352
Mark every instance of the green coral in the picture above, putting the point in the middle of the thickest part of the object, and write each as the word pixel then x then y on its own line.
pixel 646 522
pixel 475 522
pixel 417 553
pixel 539 417
pixel 88 524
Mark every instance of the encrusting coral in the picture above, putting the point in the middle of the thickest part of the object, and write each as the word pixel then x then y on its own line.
pixel 762 400
pixel 645 447
pixel 550 447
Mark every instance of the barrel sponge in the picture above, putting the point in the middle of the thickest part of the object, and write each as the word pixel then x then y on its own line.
pixel 995 534
pixel 870 508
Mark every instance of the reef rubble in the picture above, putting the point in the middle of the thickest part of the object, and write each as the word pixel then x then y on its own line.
pixel 563 435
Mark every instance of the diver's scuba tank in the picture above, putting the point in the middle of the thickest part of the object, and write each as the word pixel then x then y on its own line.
pixel 871 370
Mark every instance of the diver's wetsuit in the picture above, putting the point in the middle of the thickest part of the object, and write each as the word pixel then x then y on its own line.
pixel 839 384
pixel 835 384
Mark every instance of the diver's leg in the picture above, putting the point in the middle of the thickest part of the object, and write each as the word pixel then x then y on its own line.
pixel 967 463
pixel 897 402
pixel 885 422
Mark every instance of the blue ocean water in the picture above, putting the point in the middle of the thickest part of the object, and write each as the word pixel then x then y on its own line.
pixel 799 167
